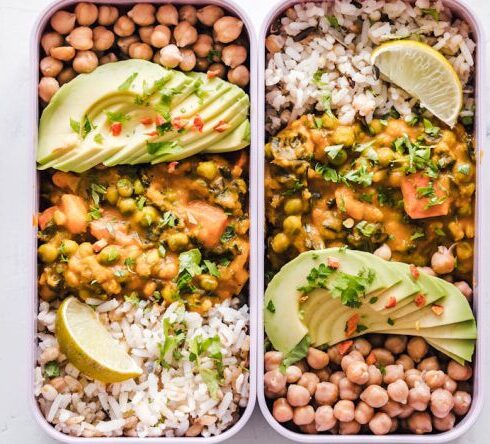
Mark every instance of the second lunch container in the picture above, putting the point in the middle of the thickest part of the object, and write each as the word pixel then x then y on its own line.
pixel 480 283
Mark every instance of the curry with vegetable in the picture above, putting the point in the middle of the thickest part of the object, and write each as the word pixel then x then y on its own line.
pixel 176 231
pixel 408 185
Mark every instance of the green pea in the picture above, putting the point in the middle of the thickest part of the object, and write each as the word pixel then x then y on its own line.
pixel 127 205
pixel 344 135
pixel 339 159
pixel 124 188
pixel 112 195
pixel 293 206
pixel 208 282
pixel 178 241
pixel 292 225
pixel 48 253
pixel 68 247
pixel 207 170
pixel 138 187
pixel 280 243
pixel 147 216
pixel 109 255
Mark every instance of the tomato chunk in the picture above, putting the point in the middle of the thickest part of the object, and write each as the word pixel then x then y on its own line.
pixel 76 213
pixel 351 326
pixel 67 181
pixel 211 222
pixel 46 217
pixel 425 197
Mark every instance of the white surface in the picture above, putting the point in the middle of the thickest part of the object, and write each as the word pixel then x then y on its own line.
pixel 16 424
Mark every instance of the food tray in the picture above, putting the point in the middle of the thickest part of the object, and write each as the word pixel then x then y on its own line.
pixel 479 278
pixel 33 200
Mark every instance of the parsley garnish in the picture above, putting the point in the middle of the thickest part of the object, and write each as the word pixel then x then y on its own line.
pixel 116 116
pixel 132 298
pixel 51 369
pixel 228 234
pixel 350 288
pixel 464 169
pixel 160 148
pixel 430 129
pixel 212 268
pixel 127 83
pixel 99 139
pixel 296 354
pixel 317 278
pixel 270 307
pixel 434 13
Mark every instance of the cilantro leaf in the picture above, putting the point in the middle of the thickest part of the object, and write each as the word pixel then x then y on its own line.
pixel 228 234
pixel 51 369
pixel 296 354
pixel 160 148
pixel 127 83
pixel 270 307
pixel 212 268
pixel 190 261
pixel 350 288
pixel 211 379
pixel 317 278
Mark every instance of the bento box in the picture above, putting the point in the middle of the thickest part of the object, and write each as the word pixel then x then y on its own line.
pixel 280 102
pixel 246 329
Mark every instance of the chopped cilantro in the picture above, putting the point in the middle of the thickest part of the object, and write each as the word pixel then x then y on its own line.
pixel 127 83
pixel 333 151
pixel 228 234
pixel 430 129
pixel 51 369
pixel 168 219
pixel 270 307
pixel 116 116
pixel 94 213
pixel 75 126
pixel 333 21
pixel 391 321
pixel 98 138
pixel 212 268
pixel 160 148
pixel 373 300
pixel 464 169
pixel 297 186
pixel 434 13
pixel 440 232
pixel 212 54
pixel 190 261
pixel 210 378
pixel 132 298
pixel 296 354
pixel 317 278
pixel 318 122
pixel 360 328
pixel 417 235
pixel 350 288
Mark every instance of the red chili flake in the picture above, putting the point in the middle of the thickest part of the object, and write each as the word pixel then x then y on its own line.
pixel 419 300
pixel 222 126
pixel 178 123
pixel 391 302
pixel 146 120
pixel 344 347
pixel 152 134
pixel 414 271
pixel 371 359
pixel 159 120
pixel 116 128
pixel 333 262
pixel 437 309
pixel 212 73
pixel 351 325
pixel 172 166
pixel 198 123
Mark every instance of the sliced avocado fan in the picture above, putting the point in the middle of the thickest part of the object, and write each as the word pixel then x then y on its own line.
pixel 337 294
pixel 161 115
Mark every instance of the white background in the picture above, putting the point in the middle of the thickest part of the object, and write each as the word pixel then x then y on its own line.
pixel 17 426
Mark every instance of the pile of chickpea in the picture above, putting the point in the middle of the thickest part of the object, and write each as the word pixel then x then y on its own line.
pixel 380 385
pixel 185 38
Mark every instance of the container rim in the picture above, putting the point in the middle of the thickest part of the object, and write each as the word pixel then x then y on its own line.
pixel 460 8
pixel 36 32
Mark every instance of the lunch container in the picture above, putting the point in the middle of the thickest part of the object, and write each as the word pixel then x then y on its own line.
pixel 39 27
pixel 480 280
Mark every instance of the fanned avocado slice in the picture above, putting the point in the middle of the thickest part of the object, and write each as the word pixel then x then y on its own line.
pixel 455 348
pixel 239 138
pixel 460 330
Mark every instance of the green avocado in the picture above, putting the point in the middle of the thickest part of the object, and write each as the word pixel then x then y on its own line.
pixel 239 138
pixel 460 350
pixel 460 330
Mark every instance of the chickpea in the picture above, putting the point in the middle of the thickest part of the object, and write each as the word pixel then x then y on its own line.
pixel 450 384
pixel 272 360
pixel 85 249
pixel 103 38
pixel 125 42
pixel 419 396
pixel 275 381
pixel 109 255
pixel 420 423
pixel 357 372
pixel 160 36
pixel 384 252
pixel 81 38
pixel 336 377
pixel 326 393
pixel 47 88
pixel 227 29
pixel 143 14
pixel 398 391
pixel 459 372
pixel 344 410
pixel 383 356
pixel 412 377
pixel 405 411
pixel 141 51
pixel 302 365
pixel 298 395
pixel 462 402
pixel 107 15
pixel 63 53
pixel 66 75
pixel 417 348
pixel 208 282
pixel 434 379
pixel 375 375
pixel 167 15
pixel 405 361
pixel 203 45
pixel 178 241
pixel 239 76
pixel 441 403
pixel 323 374
pixel 303 415
pixel 50 67
pixel 393 373
pixel 334 355
pixel 363 413
pixel 51 40
pixel 324 418
pixel 317 359
pixel 47 252
pixel 274 43
pixel 86 13
pixel 63 22
pixel 443 261
pixel 380 424
pixel 272 395
pixel 188 60
pixel 293 374
pixel 202 64
pixel 349 390
pixel 185 34
pixel 444 424
pixel 124 26
pixel 280 243
pixel 464 288
pixel 281 410
pixel 217 70
pixel 85 61
pixel 310 381
pixel 308 429
pixel 188 13
pixel 349 428
pixel 396 344
pixel 209 14
pixel 170 56
pixel 234 55
pixel 375 396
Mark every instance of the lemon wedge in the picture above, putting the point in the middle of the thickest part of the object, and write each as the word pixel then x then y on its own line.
pixel 89 346
pixel 424 73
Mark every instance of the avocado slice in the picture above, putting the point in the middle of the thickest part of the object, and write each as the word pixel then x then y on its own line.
pixel 236 140
pixel 460 330
pixel 456 348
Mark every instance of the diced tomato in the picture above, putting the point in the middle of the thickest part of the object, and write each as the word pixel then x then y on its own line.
pixel 46 217
pixel 146 120
pixel 420 300
pixel 212 73
pixel 351 325
pixel 116 128
pixel 172 166
pixel 222 126
pixel 67 181
pixel 344 347
pixel 198 123
pixel 414 271
pixel 211 222
pixel 99 245
pixel 152 133
pixel 75 210
pixel 391 302
pixel 159 120
pixel 179 123
pixel 437 309
pixel 371 359
pixel 333 262
pixel 418 207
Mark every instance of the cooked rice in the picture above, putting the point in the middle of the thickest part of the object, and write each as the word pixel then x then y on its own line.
pixel 348 81
pixel 172 401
